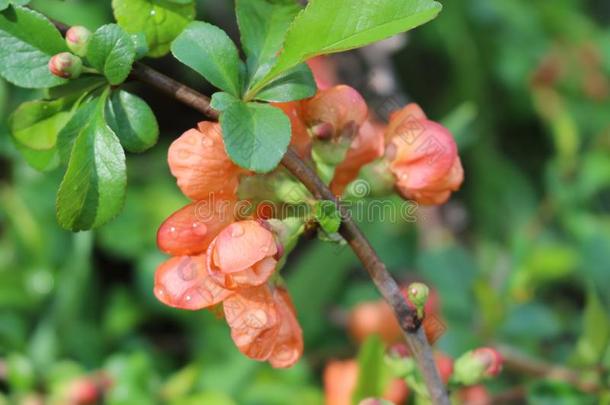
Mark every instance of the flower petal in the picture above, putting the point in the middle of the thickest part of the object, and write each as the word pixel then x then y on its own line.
pixel 190 230
pixel 366 147
pixel 289 347
pixel 183 282
pixel 201 165
pixel 254 321
pixel 339 106
pixel 241 245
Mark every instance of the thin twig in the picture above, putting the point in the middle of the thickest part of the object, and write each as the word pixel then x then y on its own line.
pixel 387 286
pixel 521 362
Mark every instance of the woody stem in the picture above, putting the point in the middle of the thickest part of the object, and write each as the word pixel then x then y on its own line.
pixel 387 286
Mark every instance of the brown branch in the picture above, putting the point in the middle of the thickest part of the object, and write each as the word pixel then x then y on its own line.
pixel 407 317
pixel 523 363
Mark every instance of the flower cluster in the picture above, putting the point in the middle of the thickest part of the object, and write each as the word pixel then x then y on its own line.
pixel 220 256
pixel 420 155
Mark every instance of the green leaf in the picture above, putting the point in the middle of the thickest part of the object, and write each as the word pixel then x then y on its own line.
pixel 209 51
pixel 160 20
pixel 93 189
pixel 373 375
pixel 256 135
pixel 27 42
pixel 112 52
pixel 296 84
pixel 41 160
pixel 328 216
pixel 73 128
pixel 35 124
pixel 263 25
pixel 82 85
pixel 132 121
pixel 221 100
pixel 593 342
pixel 329 26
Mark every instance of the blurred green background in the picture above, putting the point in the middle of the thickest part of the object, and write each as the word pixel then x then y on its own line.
pixel 520 256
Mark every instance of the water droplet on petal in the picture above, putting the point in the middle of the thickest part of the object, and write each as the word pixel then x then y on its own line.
pixel 172 229
pixel 237 230
pixel 188 298
pixel 207 142
pixel 199 229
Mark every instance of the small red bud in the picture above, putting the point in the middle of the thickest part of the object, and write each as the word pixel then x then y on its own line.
pixel 77 39
pixel 492 358
pixel 476 365
pixel 66 65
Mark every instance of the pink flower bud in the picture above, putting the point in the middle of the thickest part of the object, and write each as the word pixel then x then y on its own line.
pixel 66 65
pixel 491 358
pixel 423 157
pixel 476 365
pixel 77 39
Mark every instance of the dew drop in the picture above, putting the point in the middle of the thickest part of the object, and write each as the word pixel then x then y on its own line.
pixel 153 12
pixel 159 292
pixel 199 229
pixel 237 231
pixel 188 298
pixel 207 142
pixel 172 229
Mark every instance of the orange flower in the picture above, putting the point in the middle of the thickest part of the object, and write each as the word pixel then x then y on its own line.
pixel 341 107
pixel 341 378
pixel 300 140
pixel 289 347
pixel 183 282
pixel 201 165
pixel 423 157
pixel 366 147
pixel 190 230
pixel 242 255
pixel 254 320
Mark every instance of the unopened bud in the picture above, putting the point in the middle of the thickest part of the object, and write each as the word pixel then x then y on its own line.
pixel 476 365
pixel 66 65
pixel 418 295
pixel 77 39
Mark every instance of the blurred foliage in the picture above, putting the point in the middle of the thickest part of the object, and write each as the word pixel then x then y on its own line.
pixel 520 256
